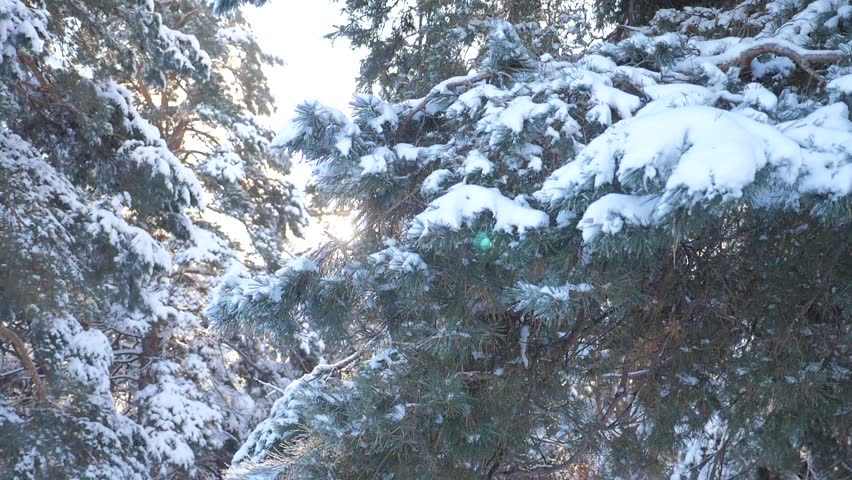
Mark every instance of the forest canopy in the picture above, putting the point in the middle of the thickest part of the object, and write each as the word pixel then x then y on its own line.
pixel 591 240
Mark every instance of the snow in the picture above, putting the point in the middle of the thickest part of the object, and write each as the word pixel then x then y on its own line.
pixel 249 133
pixel 235 35
pixel 775 66
pixel 386 113
pixel 722 156
pixel 406 151
pixel 623 103
pixel 477 162
pixel 524 340
pixel 638 77
pixel 598 63
pixel 301 264
pixel 397 259
pixel 463 203
pixel 473 98
pixel 519 110
pixel 331 117
pixel 726 50
pixel 384 359
pixel 443 87
pixel 432 183
pixel 51 200
pixel 283 421
pixel 8 415
pixel 177 416
pixel 185 51
pixel 67 200
pixel 125 237
pixel 205 246
pixel 227 166
pixel 759 96
pixel 753 114
pixel 563 292
pixel 150 150
pixel 826 136
pixel 611 212
pixel 376 163
pixel 679 95
pixel 693 144
pixel 89 358
pixel 841 85
pixel 705 153
pixel 235 295
pixel 397 414
pixel 799 29
pixel 21 28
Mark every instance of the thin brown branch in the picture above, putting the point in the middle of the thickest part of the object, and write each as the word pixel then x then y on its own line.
pixel 176 137
pixel 44 86
pixel 185 18
pixel 33 68
pixel 146 94
pixel 21 350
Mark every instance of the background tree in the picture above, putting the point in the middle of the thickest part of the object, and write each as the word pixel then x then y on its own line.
pixel 110 112
pixel 630 263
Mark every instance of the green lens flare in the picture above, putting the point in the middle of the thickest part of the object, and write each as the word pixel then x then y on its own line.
pixel 483 241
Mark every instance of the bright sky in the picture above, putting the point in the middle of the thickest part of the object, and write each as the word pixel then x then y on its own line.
pixel 315 69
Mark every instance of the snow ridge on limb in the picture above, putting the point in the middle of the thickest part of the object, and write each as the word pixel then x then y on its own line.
pixel 22 30
pixel 708 155
pixel 150 151
pixel 463 203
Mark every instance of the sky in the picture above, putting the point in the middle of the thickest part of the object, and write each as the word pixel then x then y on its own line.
pixel 314 69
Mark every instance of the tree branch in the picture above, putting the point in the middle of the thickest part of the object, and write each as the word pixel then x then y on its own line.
pixel 146 94
pixel 185 18
pixel 434 93
pixel 802 58
pixel 21 349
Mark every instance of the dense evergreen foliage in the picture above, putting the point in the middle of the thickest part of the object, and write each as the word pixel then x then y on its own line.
pixel 123 125
pixel 629 262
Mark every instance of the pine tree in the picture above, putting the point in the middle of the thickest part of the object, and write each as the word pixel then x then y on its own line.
pixel 630 263
pixel 412 45
pixel 110 111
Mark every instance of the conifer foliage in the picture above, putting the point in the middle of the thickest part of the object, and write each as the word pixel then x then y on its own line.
pixel 120 122
pixel 632 262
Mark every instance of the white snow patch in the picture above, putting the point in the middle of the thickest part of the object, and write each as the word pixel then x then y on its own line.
pixel 463 203
pixel 525 336
pixel 376 163
pixel 432 183
pixel 610 213
pixel 477 161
